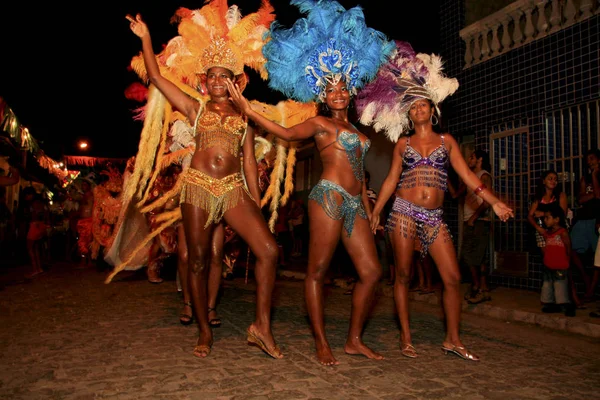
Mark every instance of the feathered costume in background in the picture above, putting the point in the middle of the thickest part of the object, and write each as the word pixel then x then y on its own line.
pixel 330 44
pixel 167 136
pixel 384 103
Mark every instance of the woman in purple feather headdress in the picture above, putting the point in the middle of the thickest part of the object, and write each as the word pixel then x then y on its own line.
pixel 402 101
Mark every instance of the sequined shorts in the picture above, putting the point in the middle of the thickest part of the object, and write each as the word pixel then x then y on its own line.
pixel 414 221
pixel 351 206
pixel 213 195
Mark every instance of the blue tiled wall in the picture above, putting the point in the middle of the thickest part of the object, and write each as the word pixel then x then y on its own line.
pixel 524 84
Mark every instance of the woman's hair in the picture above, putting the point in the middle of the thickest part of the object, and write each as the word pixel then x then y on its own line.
pixel 556 211
pixel 540 191
pixel 485 162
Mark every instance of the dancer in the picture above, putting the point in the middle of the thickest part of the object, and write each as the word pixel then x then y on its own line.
pixel 319 60
pixel 214 186
pixel 404 96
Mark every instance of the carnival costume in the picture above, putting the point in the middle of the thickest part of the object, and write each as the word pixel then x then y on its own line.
pixel 384 103
pixel 331 44
pixel 105 213
pixel 214 35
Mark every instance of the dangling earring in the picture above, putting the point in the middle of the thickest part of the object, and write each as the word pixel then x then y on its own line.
pixel 436 119
pixel 326 107
pixel 411 124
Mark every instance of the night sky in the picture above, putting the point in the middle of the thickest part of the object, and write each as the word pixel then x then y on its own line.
pixel 64 69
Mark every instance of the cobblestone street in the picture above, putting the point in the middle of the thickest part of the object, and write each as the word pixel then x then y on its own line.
pixel 67 335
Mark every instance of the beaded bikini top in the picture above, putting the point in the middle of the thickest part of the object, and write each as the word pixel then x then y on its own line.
pixel 355 151
pixel 227 133
pixel 431 171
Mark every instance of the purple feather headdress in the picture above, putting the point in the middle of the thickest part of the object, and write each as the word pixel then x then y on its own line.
pixel 407 77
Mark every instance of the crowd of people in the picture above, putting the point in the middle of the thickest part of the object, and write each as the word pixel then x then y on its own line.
pixel 210 193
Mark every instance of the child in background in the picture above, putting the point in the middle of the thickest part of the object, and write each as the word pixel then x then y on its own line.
pixel 557 254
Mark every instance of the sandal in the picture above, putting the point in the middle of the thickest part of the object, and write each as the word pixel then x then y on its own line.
pixel 202 350
pixel 254 339
pixel 184 318
pixel 408 350
pixel 460 351
pixel 214 322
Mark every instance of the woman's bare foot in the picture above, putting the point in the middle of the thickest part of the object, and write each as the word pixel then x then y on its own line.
pixel 356 346
pixel 325 356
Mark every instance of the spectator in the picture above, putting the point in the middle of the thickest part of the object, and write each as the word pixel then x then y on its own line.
pixel 38 224
pixel 557 256
pixel 596 314
pixel 584 233
pixel 549 194
pixel 476 227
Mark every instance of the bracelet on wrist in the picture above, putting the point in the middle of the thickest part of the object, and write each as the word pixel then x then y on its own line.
pixel 479 189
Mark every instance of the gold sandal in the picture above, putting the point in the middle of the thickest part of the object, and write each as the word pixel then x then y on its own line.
pixel 461 352
pixel 202 350
pixel 254 339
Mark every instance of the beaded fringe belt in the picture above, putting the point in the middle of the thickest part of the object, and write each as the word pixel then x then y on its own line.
pixel 414 221
pixel 213 195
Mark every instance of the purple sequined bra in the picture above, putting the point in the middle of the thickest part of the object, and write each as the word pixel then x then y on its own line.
pixel 430 171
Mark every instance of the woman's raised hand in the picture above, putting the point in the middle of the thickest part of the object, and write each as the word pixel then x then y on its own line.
pixel 236 96
pixel 503 211
pixel 137 26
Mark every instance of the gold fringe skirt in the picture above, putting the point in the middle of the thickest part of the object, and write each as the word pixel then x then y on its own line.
pixel 213 195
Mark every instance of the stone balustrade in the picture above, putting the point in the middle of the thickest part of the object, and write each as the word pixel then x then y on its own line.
pixel 519 23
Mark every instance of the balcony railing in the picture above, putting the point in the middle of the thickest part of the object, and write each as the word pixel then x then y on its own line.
pixel 520 23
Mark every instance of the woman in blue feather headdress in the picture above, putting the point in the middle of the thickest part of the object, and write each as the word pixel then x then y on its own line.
pixel 324 58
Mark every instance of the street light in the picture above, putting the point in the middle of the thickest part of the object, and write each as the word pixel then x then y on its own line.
pixel 83 145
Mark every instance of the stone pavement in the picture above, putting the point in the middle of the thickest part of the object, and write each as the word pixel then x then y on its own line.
pixel 507 304
pixel 67 335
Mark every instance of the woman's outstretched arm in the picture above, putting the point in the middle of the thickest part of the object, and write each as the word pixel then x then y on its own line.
pixel 302 131
pixel 179 99
pixel 473 182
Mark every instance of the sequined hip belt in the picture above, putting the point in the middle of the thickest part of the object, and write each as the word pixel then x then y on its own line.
pixel 213 195
pixel 414 221
pixel 324 194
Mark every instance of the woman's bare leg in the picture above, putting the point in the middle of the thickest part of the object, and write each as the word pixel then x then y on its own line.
pixel 403 260
pixel 182 270
pixel 215 271
pixel 248 222
pixel 443 254
pixel 363 253
pixel 323 239
pixel 198 245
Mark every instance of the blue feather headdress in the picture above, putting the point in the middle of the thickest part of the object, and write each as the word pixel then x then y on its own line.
pixel 328 45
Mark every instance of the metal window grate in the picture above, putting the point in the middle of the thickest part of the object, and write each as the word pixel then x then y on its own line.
pixel 570 133
pixel 509 156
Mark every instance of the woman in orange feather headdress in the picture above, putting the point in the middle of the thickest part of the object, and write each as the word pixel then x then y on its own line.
pixel 218 184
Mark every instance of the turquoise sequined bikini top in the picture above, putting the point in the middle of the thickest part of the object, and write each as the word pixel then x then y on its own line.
pixel 355 151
